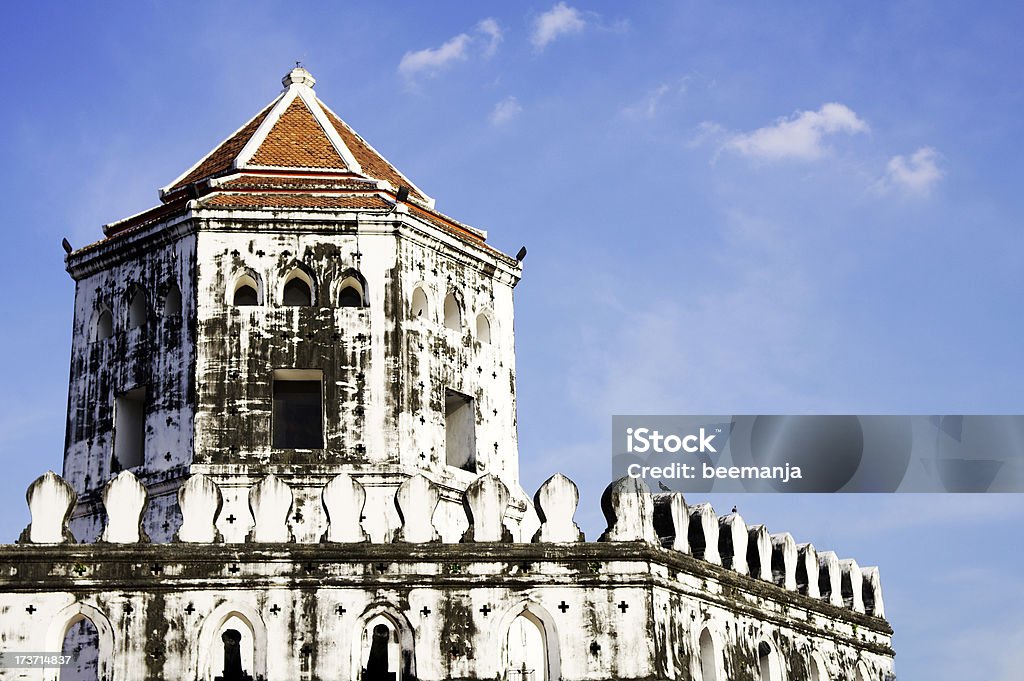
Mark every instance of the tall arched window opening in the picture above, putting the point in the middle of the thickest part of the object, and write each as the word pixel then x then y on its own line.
pixel 381 656
pixel 351 292
pixel 298 290
pixel 452 313
pixel 483 329
pixel 137 309
pixel 82 643
pixel 526 649
pixel 172 301
pixel 420 308
pixel 708 665
pixel 768 662
pixel 104 325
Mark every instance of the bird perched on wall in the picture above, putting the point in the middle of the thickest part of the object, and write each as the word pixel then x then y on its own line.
pixel 735 510
pixel 663 487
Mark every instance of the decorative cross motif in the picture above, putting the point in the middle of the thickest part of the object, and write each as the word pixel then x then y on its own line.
pixel 260 254
pixel 623 606
pixel 360 448
pixel 190 609
pixel 235 253
pixel 231 519
pixel 310 567
pixel 485 610
pixel 494 374
pixel 563 606
pixel 234 569
pixel 422 420
pixel 79 569
pixel 298 516
pixel 166 526
pixel 167 456
pixel 425 611
pixel 128 608
pixel 362 518
pixel 156 568
pixel 340 610
pixel 382 567
pixel 274 609
pixel 30 609
pixel 595 647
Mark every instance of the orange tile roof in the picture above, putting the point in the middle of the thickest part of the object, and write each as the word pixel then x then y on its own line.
pixel 298 141
pixel 222 157
pixel 281 200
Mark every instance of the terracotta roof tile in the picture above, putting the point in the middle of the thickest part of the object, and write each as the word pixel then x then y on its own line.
pixel 373 163
pixel 297 141
pixel 271 182
pixel 280 200
pixel 221 157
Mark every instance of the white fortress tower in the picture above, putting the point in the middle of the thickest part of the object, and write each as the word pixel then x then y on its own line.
pixel 295 306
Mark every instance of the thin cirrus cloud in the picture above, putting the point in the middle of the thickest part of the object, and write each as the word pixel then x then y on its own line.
pixel 504 111
pixel 430 61
pixel 801 137
pixel 558 21
pixel 916 174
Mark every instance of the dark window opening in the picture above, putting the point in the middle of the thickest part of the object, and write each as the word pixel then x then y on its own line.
pixel 82 643
pixel 245 295
pixel 378 664
pixel 298 409
pixel 105 325
pixel 130 428
pixel 460 431
pixel 172 302
pixel 297 293
pixel 137 310
pixel 350 297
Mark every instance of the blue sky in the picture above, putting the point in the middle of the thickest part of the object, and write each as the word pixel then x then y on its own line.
pixel 738 207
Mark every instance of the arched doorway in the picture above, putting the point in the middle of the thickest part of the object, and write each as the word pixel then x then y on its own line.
pixel 82 643
pixel 526 649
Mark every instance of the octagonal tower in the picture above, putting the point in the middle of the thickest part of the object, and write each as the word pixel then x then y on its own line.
pixel 294 306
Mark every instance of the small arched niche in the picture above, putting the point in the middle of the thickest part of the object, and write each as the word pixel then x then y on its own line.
pixel 708 657
pixel 352 290
pixel 82 643
pixel 420 308
pixel 172 301
pixel 104 325
pixel 233 651
pixel 816 668
pixel 768 662
pixel 246 291
pixel 483 328
pixel 137 308
pixel 526 649
pixel 452 313
pixel 298 289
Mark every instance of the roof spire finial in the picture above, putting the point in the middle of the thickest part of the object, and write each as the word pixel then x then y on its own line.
pixel 298 76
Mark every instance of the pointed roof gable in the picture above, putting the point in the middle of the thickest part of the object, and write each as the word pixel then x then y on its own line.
pixel 296 132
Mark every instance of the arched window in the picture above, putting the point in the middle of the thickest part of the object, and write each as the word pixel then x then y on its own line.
pixel 233 654
pixel 172 301
pixel 298 289
pixel 137 308
pixel 246 292
pixel 452 313
pixel 483 328
pixel 708 657
pixel 381 656
pixel 526 649
pixel 817 669
pixel 352 290
pixel 768 662
pixel 420 308
pixel 104 325
pixel 82 642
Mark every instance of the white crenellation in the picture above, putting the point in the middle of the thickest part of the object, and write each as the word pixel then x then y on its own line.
pixel 830 578
pixel 852 585
pixel 270 501
pixel 759 552
pixel 416 501
pixel 628 509
pixel 873 603
pixel 124 500
pixel 485 501
pixel 732 542
pixel 50 503
pixel 344 500
pixel 672 521
pixel 784 560
pixel 555 503
pixel 704 533
pixel 200 501
pixel 807 570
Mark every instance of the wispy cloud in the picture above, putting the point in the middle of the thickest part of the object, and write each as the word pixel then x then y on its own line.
pixel 492 31
pixel 916 174
pixel 647 107
pixel 505 110
pixel 558 21
pixel 799 137
pixel 428 62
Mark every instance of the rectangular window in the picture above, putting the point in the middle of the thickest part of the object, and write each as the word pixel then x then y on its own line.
pixel 298 415
pixel 130 428
pixel 459 431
